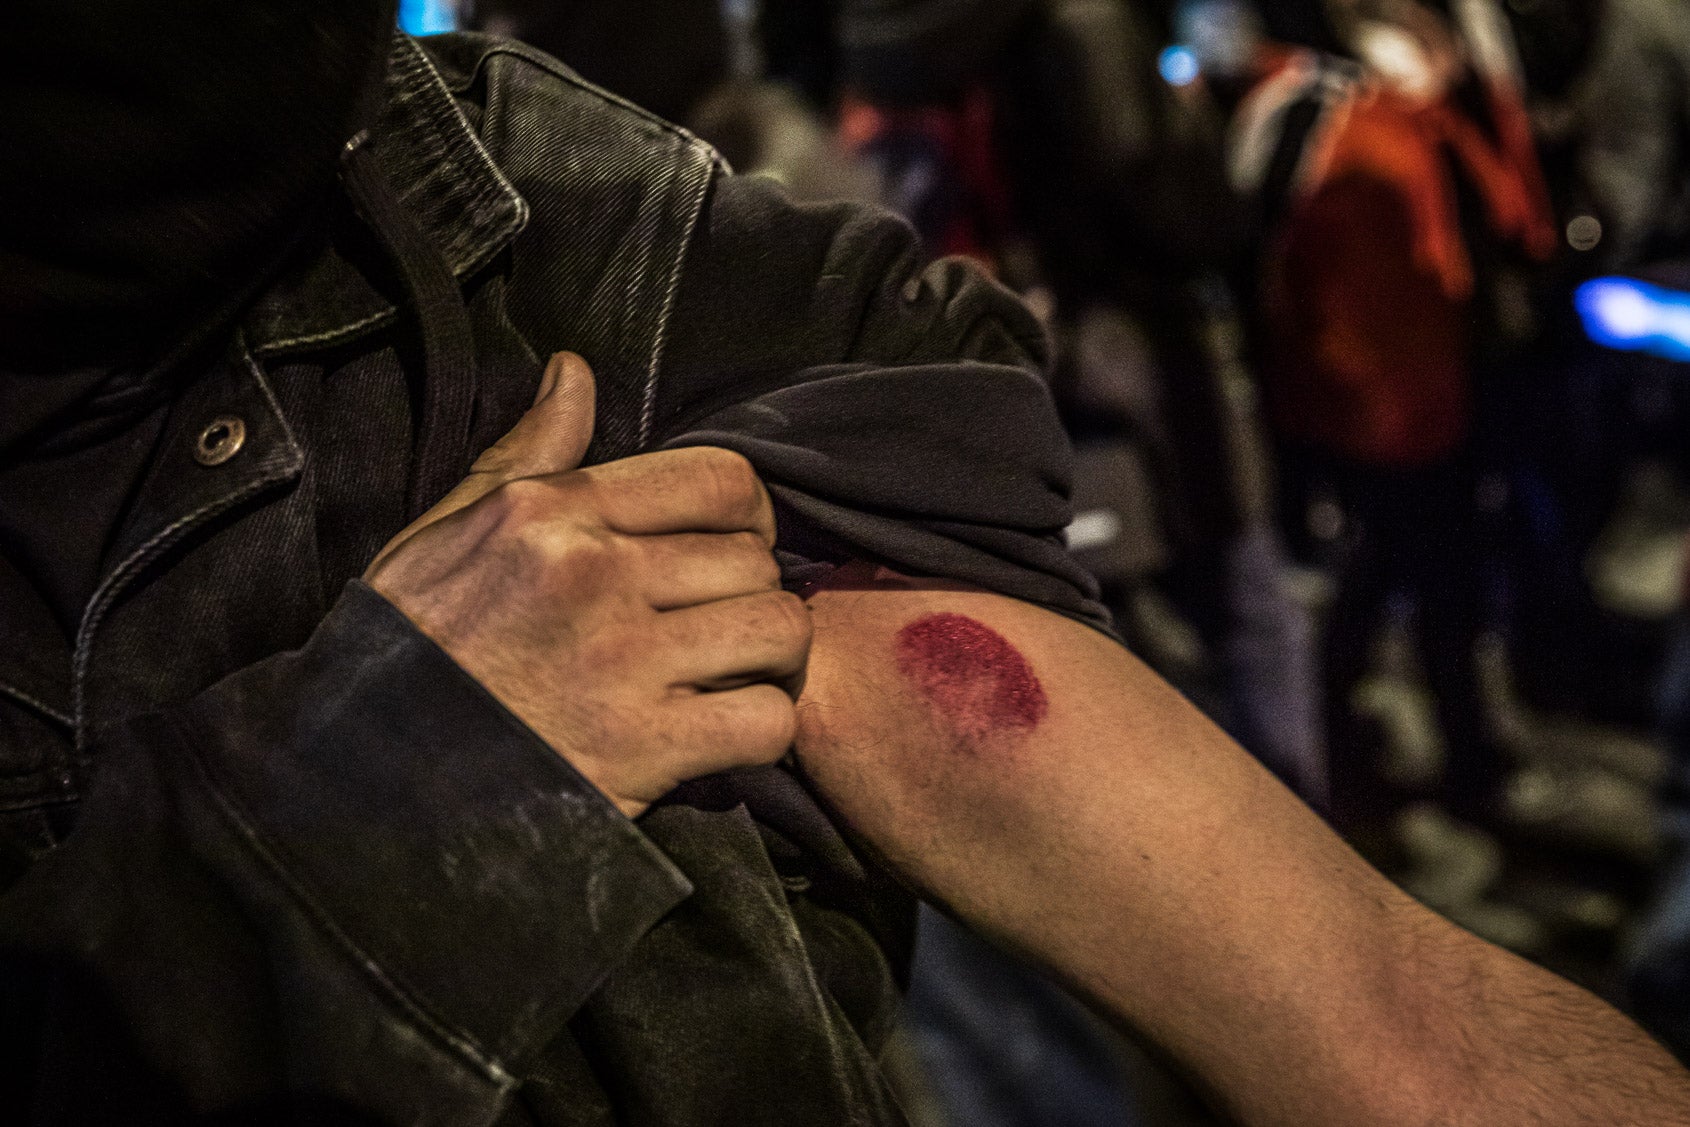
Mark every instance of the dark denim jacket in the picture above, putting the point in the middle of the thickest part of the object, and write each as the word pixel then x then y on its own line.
pixel 266 847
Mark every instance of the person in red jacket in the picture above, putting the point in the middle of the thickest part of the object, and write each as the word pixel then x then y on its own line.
pixel 1370 300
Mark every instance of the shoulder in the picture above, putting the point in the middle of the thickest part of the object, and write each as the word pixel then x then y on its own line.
pixel 644 250
pixel 614 196
pixel 773 288
pixel 501 82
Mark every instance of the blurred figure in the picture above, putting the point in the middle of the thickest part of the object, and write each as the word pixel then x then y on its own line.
pixel 1403 179
pixel 1634 116
pixel 1611 86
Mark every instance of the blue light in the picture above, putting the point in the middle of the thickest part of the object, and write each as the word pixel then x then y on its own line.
pixel 1179 65
pixel 1633 316
pixel 428 17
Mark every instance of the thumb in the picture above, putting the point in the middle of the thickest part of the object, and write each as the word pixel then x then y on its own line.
pixel 553 436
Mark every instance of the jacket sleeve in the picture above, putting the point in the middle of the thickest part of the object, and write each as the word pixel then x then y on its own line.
pixel 343 882
pixel 896 408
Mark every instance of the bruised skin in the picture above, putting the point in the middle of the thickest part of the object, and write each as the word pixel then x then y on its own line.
pixel 967 677
pixel 1127 844
pixel 970 675
pixel 925 702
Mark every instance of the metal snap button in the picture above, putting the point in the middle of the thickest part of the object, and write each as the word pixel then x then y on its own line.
pixel 221 440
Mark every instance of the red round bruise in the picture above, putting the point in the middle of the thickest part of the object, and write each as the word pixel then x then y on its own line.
pixel 973 677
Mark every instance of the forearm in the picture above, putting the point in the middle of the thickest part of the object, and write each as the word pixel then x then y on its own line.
pixel 1525 1046
pixel 1125 842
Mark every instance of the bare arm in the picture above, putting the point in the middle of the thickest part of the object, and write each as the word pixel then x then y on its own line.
pixel 1036 779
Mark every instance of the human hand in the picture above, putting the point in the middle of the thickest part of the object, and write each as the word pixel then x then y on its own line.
pixel 629 613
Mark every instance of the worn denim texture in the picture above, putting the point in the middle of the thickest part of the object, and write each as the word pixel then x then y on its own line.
pixel 266 850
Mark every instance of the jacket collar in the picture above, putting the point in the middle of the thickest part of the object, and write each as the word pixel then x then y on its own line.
pixel 443 174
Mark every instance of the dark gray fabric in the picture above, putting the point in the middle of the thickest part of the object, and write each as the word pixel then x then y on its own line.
pixel 850 399
pixel 264 846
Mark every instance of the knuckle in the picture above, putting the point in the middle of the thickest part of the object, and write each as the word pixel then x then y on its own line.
pixel 735 487
pixel 522 501
pixel 539 550
pixel 574 562
pixel 589 551
pixel 753 552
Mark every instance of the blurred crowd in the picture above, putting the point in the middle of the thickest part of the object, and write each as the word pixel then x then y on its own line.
pixel 1371 327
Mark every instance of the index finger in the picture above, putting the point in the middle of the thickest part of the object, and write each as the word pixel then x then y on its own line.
pixel 693 489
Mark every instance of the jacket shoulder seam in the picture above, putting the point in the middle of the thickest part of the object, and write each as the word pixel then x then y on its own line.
pixel 672 288
pixel 621 106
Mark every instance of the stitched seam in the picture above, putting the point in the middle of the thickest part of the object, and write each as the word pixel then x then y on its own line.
pixel 448 114
pixel 648 404
pixel 272 347
pixel 449 126
pixel 686 142
pixel 37 704
pixel 106 593
pixel 137 560
pixel 275 405
pixel 557 70
pixel 391 984
pixel 35 802
pixel 441 116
